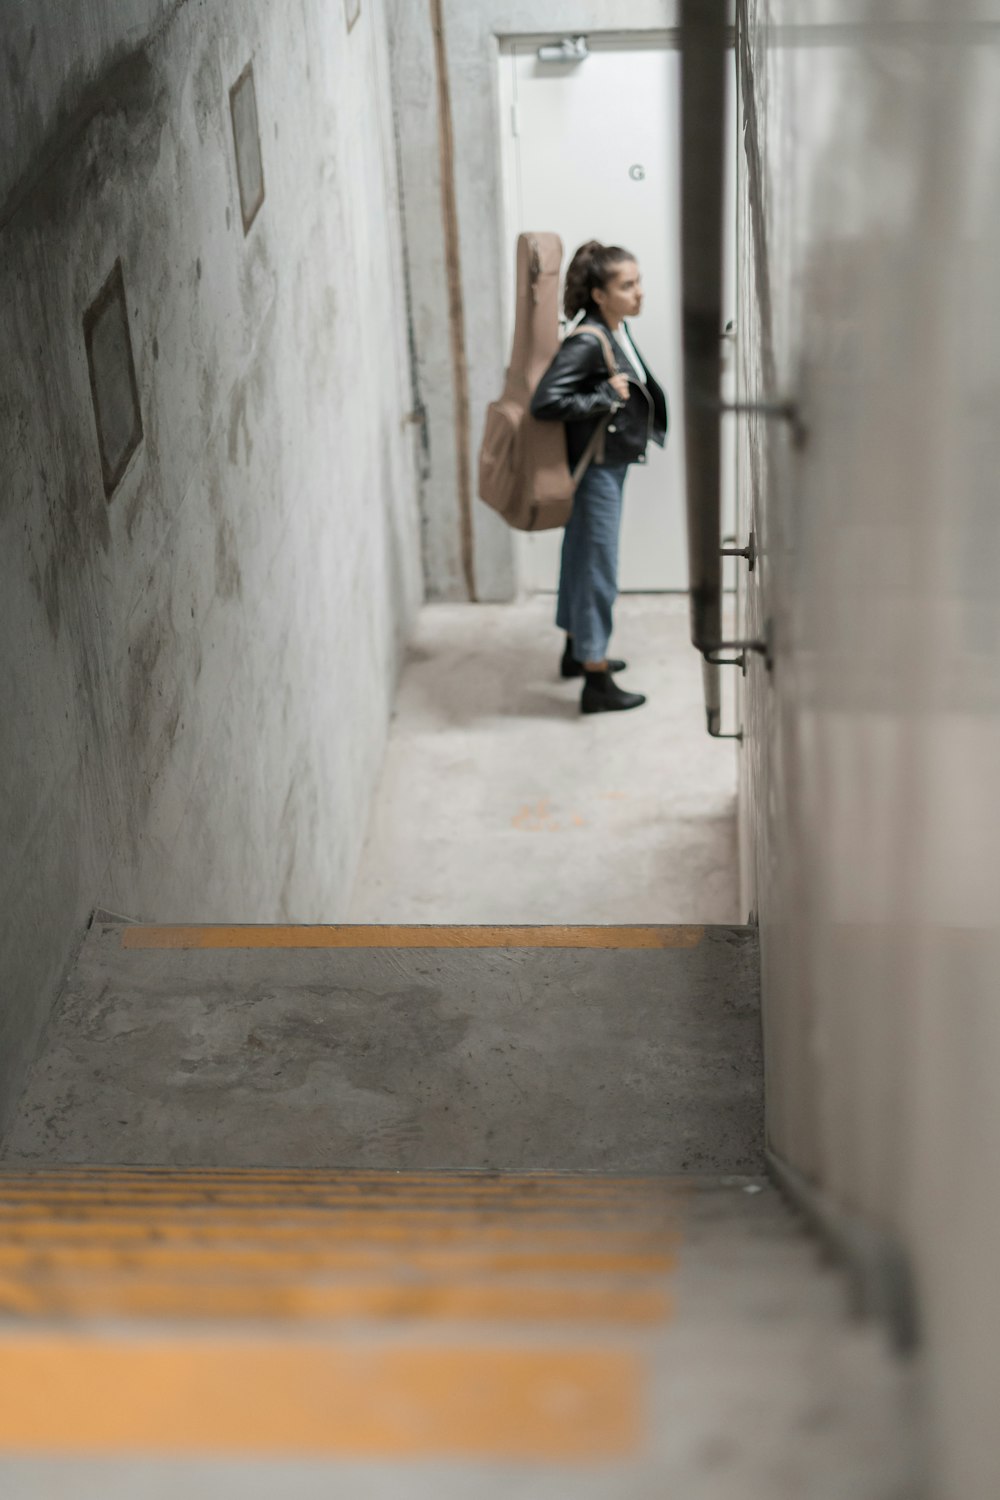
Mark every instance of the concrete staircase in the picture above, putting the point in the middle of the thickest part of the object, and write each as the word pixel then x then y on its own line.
pixel 418 1211
pixel 239 1273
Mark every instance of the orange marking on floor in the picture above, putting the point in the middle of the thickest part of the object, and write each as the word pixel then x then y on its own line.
pixel 335 1230
pixel 464 1259
pixel 556 1252
pixel 120 1295
pixel 282 1223
pixel 323 1185
pixel 528 1210
pixel 306 1176
pixel 219 937
pixel 521 1217
pixel 77 1395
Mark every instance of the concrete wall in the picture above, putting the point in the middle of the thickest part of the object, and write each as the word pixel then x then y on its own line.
pixel 870 240
pixel 471 31
pixel 195 673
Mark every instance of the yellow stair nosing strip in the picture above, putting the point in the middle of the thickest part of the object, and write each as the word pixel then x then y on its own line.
pixel 283 936
pixel 80 1395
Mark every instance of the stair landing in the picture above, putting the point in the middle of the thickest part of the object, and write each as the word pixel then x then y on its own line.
pixel 611 1049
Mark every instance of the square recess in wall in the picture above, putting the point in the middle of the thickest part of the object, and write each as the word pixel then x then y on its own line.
pixel 246 140
pixel 352 9
pixel 112 378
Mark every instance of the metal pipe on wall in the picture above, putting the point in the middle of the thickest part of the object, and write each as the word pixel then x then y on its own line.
pixel 705 38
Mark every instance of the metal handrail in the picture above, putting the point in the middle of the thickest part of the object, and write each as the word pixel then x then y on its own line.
pixel 706 38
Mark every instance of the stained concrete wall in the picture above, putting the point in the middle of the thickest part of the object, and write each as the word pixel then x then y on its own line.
pixel 870 239
pixel 472 30
pixel 196 673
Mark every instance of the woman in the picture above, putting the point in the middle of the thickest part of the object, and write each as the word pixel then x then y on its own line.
pixel 602 283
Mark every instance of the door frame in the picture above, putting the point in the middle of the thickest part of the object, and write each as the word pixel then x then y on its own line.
pixel 669 39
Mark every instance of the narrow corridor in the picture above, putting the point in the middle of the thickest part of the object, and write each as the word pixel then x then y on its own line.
pixel 498 802
pixel 411 1089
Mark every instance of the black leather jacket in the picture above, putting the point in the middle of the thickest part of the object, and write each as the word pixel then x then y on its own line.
pixel 575 389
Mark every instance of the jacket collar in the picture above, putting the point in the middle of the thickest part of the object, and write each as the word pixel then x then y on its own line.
pixel 595 317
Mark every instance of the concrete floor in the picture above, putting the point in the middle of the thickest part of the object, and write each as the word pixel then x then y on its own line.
pixel 499 802
pixel 601 1058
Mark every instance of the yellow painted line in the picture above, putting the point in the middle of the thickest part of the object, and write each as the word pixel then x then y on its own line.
pixel 320 1188
pixel 526 1209
pixel 135 1239
pixel 419 1224
pixel 473 1200
pixel 226 1230
pixel 50 1258
pixel 118 1296
pixel 210 937
pixel 278 1218
pixel 524 1219
pixel 74 1395
pixel 202 1177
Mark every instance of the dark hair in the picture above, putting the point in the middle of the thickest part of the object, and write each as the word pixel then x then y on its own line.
pixel 592 266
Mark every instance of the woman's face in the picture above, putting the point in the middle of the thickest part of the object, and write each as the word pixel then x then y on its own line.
pixel 622 297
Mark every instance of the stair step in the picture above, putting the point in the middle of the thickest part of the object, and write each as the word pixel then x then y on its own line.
pixel 570 1325
pixel 111 1289
pixel 334 1248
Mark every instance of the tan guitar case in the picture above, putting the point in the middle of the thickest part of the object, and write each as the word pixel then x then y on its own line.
pixel 523 471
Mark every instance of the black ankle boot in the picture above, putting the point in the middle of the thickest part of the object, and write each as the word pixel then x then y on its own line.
pixel 570 667
pixel 602 695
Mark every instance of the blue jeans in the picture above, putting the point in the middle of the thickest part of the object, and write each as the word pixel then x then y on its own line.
pixel 588 579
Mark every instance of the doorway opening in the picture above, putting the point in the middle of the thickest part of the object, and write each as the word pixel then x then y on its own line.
pixel 590 148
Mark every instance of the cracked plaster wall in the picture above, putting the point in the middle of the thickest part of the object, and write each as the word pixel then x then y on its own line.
pixel 195 675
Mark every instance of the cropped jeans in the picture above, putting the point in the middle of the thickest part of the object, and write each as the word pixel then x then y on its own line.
pixel 588 579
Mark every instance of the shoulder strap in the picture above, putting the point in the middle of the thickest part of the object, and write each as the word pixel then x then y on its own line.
pixel 596 437
pixel 602 339
pixel 590 452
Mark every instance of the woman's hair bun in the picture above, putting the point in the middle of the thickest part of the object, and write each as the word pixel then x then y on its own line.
pixel 592 266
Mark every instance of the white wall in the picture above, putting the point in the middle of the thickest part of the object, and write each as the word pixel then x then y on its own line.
pixel 196 675
pixel 871 798
pixel 472 29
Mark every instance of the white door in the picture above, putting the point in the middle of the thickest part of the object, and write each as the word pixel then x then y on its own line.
pixel 593 153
